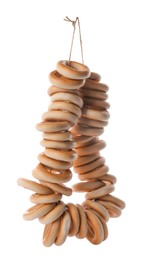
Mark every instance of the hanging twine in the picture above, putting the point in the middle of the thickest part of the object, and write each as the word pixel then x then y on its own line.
pixel 77 20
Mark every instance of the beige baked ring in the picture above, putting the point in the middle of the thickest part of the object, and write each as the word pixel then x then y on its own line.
pixel 72 69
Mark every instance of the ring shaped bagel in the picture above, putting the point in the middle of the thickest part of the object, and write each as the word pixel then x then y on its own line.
pixel 65 224
pixel 59 188
pixel 52 126
pixel 34 186
pixel 100 192
pixel 104 224
pixel 61 155
pixel 40 199
pixel 97 207
pixel 67 145
pixel 54 214
pixel 38 211
pixel 86 167
pixel 58 115
pixel 52 163
pixel 95 76
pixel 72 69
pixel 83 228
pixel 60 105
pixel 75 220
pixel 87 186
pixel 59 136
pixel 62 82
pixel 88 131
pixel 53 89
pixel 95 232
pixel 43 174
pixel 82 160
pixel 70 97
pixel 108 178
pixel 114 211
pixel 50 233
pixel 118 202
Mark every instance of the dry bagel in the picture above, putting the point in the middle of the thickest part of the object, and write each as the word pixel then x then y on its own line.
pixel 73 70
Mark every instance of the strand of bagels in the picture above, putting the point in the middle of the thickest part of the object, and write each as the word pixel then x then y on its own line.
pixel 63 148
pixel 54 165
pixel 90 165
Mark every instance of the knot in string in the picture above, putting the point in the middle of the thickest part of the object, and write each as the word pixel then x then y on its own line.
pixel 67 19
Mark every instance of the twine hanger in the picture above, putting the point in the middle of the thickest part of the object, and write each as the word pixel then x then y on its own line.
pixel 77 20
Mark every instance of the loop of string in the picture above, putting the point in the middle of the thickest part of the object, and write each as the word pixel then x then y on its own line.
pixel 77 20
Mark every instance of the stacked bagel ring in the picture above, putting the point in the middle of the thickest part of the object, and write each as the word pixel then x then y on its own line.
pixel 71 126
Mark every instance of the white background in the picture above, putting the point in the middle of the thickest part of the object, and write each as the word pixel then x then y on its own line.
pixel 117 39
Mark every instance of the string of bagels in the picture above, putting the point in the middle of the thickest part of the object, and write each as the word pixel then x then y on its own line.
pixel 71 130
